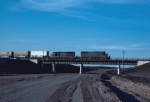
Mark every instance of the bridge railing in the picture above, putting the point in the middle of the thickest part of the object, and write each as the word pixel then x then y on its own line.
pixel 77 59
pixel 131 59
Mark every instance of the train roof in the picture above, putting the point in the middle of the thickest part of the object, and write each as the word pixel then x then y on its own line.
pixel 94 51
pixel 63 51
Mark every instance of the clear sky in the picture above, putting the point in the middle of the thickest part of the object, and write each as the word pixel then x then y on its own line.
pixel 76 25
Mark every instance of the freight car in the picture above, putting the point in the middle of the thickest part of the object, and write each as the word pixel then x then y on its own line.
pixel 6 54
pixel 63 55
pixel 31 54
pixel 21 54
pixel 39 54
pixel 95 55
pixel 25 54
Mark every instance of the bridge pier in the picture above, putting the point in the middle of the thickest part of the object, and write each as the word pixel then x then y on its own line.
pixel 53 68
pixel 81 68
pixel 118 70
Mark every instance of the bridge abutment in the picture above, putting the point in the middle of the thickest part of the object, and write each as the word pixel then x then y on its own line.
pixel 139 63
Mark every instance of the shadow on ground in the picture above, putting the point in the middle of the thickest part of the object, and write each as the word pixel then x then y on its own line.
pixel 123 96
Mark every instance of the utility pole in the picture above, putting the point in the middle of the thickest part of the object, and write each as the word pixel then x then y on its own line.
pixel 42 59
pixel 123 60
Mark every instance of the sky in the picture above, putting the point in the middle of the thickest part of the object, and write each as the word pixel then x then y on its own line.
pixel 113 26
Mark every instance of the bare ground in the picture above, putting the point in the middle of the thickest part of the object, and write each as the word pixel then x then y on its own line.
pixel 95 86
pixel 132 85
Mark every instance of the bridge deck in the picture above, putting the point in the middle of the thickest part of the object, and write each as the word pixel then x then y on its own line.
pixel 102 62
pixel 115 61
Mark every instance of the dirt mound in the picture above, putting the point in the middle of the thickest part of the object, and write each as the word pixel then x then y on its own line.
pixel 127 86
pixel 140 74
pixel 143 69
pixel 8 66
pixel 135 88
pixel 133 84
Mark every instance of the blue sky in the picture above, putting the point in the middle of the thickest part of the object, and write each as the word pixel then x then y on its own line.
pixel 76 25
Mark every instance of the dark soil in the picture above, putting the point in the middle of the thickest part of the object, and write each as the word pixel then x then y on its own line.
pixel 124 84
pixel 140 74
pixel 10 66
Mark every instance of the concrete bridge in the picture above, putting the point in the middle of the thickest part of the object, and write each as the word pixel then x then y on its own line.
pixel 93 62
pixel 115 61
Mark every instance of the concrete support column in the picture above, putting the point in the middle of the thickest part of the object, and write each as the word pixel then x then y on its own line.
pixel 118 70
pixel 81 68
pixel 53 68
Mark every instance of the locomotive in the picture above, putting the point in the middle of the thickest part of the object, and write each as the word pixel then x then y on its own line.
pixel 96 55
pixel 63 55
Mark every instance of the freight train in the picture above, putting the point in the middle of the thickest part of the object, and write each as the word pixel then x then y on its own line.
pixel 84 55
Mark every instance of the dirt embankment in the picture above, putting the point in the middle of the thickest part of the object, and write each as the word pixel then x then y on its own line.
pixel 131 85
pixel 137 89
